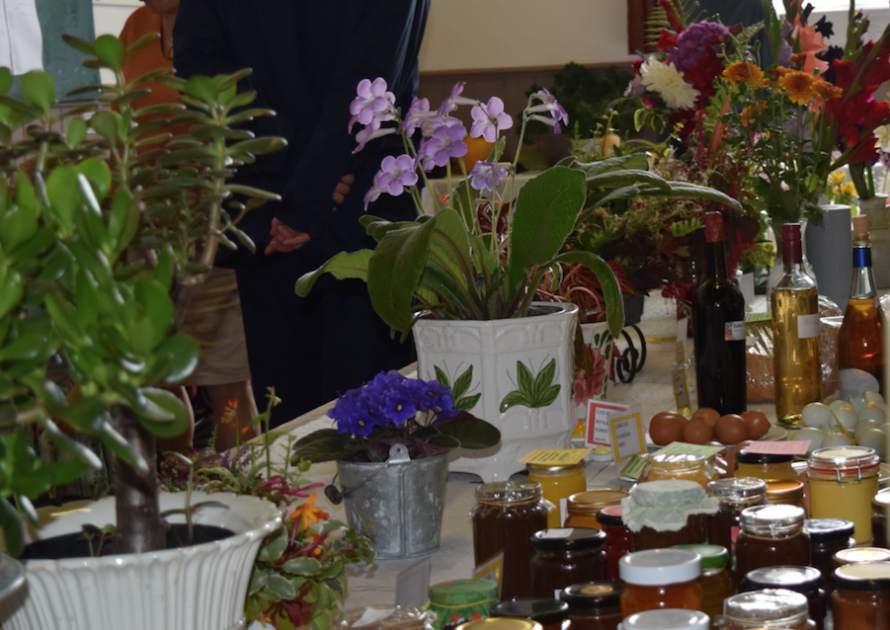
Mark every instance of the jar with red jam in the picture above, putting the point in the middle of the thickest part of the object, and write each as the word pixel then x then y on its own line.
pixel 552 614
pixel 734 494
pixel 594 605
pixel 660 578
pixel 619 541
pixel 804 580
pixel 771 608
pixel 566 556
pixel 827 537
pixel 506 515
pixel 668 619
pixel 861 600
pixel 771 535
pixel 665 513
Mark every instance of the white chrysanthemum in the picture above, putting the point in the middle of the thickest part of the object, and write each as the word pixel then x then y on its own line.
pixel 882 134
pixel 667 81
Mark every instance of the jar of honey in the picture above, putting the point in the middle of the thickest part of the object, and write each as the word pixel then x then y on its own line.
pixel 734 494
pixel 861 600
pixel 766 466
pixel 660 578
pixel 566 556
pixel 667 512
pixel 593 605
pixel 583 507
pixel 804 580
pixel 552 614
pixel 858 555
pixel 716 585
pixel 687 466
pixel 880 504
pixel 786 492
pixel 619 540
pixel 843 481
pixel 771 608
pixel 827 537
pixel 504 518
pixel 667 619
pixel 558 484
pixel 771 535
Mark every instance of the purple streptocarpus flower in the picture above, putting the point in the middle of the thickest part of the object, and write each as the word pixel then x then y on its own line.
pixel 370 132
pixel 396 173
pixel 417 113
pixel 489 119
pixel 550 105
pixel 371 99
pixel 446 142
pixel 375 191
pixel 485 174
pixel 454 99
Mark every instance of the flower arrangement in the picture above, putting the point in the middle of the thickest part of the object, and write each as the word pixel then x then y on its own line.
pixel 391 408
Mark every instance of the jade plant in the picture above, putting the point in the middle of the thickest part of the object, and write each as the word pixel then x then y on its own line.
pixel 105 229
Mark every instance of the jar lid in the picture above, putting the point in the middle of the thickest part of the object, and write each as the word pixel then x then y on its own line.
pixel 611 515
pixel 544 610
pixel 737 489
pixel 784 490
pixel 667 492
pixel 881 500
pixel 500 623
pixel 826 530
pixel 864 576
pixel 778 606
pixel 593 595
pixel 843 460
pixel 509 491
pixel 745 457
pixel 654 567
pixel 667 619
pixel 568 539
pixel 553 469
pixel 464 592
pixel 712 556
pixel 800 579
pixel 677 461
pixel 590 502
pixel 774 517
pixel 856 555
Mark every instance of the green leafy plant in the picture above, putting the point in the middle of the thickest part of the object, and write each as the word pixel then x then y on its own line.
pixel 532 391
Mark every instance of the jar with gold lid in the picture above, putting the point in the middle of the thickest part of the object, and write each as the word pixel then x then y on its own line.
pixel 551 613
pixel 667 512
pixel 667 619
pixel 500 623
pixel 594 605
pixel 861 600
pixel 786 492
pixel 686 466
pixel 558 484
pixel 771 535
pixel 770 608
pixel 766 466
pixel 583 506
pixel 843 481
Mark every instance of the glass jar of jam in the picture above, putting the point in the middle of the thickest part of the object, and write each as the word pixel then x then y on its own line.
pixel 771 608
pixel 500 623
pixel 861 600
pixel 583 507
pixel 771 535
pixel 668 619
pixel 687 466
pixel 859 555
pixel 716 585
pixel 827 537
pixel 552 614
pixel 594 605
pixel 667 512
pixel 880 504
pixel 660 578
pixel 566 556
pixel 843 481
pixel 619 541
pixel 505 516
pixel 787 492
pixel 804 580
pixel 766 466
pixel 734 494
pixel 558 484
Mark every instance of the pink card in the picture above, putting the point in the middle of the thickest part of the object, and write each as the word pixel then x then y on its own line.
pixel 790 447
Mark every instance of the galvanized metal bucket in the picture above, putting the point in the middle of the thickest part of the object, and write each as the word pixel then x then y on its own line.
pixel 398 503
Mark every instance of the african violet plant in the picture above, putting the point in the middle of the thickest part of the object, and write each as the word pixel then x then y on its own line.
pixel 482 255
pixel 100 246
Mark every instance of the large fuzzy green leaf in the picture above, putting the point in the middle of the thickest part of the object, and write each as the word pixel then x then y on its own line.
pixel 343 265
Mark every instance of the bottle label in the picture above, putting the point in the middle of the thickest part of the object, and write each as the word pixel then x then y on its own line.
pixel 808 326
pixel 853 382
pixel 734 331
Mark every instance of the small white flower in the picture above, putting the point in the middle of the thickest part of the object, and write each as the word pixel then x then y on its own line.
pixel 882 135
pixel 667 81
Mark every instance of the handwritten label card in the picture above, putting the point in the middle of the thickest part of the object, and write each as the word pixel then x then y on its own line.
pixel 791 447
pixel 628 438
pixel 598 414
pixel 633 468
pixel 555 457
pixel 681 390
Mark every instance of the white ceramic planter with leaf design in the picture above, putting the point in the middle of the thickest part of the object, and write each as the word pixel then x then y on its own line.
pixel 515 373
pixel 202 587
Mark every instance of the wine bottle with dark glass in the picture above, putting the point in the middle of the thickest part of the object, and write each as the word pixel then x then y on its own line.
pixel 718 323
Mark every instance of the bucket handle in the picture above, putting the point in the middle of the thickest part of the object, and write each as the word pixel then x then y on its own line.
pixel 398 454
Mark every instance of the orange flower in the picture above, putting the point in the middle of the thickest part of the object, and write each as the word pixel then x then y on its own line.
pixel 308 514
pixel 826 90
pixel 749 114
pixel 798 59
pixel 229 413
pixel 741 72
pixel 798 86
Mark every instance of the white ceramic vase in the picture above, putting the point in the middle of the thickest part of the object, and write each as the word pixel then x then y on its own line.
pixel 519 373
pixel 202 587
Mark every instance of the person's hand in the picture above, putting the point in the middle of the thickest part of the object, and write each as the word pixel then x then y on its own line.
pixel 342 189
pixel 285 239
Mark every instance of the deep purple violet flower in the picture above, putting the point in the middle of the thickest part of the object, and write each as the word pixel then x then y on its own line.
pixel 692 42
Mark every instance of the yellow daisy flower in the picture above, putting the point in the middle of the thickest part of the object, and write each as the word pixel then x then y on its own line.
pixel 741 72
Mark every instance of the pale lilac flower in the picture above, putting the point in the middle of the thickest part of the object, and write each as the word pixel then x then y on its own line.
pixel 428 126
pixel 375 191
pixel 454 99
pixel 446 142
pixel 417 114
pixel 371 99
pixel 636 87
pixel 489 119
pixel 550 105
pixel 396 173
pixel 369 133
pixel 485 174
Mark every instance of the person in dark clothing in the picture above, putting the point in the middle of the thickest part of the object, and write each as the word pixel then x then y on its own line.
pixel 307 59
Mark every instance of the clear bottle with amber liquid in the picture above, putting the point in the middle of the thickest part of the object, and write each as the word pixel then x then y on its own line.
pixel 797 364
pixel 860 342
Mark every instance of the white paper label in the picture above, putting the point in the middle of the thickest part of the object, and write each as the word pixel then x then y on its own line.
pixel 746 284
pixel 808 326
pixel 564 508
pixel 734 331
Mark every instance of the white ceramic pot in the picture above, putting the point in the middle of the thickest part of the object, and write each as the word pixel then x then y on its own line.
pixel 488 354
pixel 202 587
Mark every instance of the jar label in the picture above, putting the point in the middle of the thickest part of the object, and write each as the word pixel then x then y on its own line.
pixel 734 331
pixel 808 326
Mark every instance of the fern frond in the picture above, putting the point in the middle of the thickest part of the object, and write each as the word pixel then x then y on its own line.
pixel 686 12
pixel 685 227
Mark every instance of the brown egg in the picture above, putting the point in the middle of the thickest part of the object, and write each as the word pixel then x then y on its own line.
pixel 757 424
pixel 731 429
pixel 698 431
pixel 666 427
pixel 711 415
